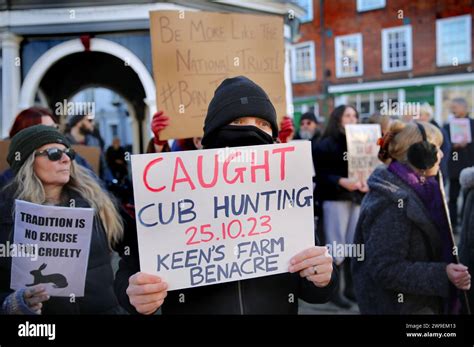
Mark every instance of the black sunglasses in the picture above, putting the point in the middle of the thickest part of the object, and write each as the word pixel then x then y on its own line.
pixel 55 154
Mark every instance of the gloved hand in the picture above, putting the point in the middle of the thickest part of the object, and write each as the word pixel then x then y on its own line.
pixel 158 123
pixel 286 129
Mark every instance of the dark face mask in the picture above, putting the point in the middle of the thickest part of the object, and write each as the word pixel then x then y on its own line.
pixel 237 136
pixel 84 131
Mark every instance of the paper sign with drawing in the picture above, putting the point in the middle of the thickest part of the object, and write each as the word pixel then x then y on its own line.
pixel 59 240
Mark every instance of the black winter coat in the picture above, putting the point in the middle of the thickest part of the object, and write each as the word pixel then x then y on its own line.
pixel 403 271
pixel 99 296
pixel 466 244
pixel 465 156
pixel 329 157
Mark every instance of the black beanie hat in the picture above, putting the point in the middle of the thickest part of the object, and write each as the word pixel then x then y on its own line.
pixel 309 116
pixel 26 141
pixel 74 120
pixel 238 97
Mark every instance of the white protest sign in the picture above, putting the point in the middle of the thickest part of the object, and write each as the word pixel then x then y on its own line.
pixel 221 215
pixel 460 130
pixel 62 236
pixel 362 149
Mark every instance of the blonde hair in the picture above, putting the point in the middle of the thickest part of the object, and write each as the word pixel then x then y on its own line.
pixel 403 135
pixel 30 188
pixel 426 108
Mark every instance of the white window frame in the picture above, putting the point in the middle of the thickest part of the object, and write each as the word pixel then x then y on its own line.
pixel 385 59
pixel 360 50
pixel 343 99
pixel 468 33
pixel 305 107
pixel 312 54
pixel 309 13
pixel 362 8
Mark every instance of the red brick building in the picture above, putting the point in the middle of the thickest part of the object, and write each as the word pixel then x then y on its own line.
pixel 364 52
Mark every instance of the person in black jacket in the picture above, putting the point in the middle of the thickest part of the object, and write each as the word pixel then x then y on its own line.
pixel 240 114
pixel 461 156
pixel 338 195
pixel 466 243
pixel 45 173
pixel 310 130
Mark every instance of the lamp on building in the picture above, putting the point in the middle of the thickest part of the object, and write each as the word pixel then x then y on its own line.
pixel 294 24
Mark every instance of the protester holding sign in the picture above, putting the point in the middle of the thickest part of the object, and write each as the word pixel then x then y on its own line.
pixel 338 195
pixel 460 157
pixel 46 174
pixel 410 262
pixel 466 243
pixel 240 114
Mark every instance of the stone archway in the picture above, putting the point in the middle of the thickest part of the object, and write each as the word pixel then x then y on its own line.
pixel 66 68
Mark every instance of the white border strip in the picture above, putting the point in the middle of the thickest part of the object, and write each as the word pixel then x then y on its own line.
pixel 74 15
pixel 408 82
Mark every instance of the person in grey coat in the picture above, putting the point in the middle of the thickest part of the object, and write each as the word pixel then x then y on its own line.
pixel 409 265
pixel 466 244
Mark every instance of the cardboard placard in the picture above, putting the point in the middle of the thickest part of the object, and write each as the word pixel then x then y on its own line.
pixel 362 150
pixel 3 155
pixel 91 154
pixel 221 215
pixel 193 52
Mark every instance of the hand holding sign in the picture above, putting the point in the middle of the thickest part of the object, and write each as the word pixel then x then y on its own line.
pixel 146 292
pixel 26 300
pixel 35 296
pixel 459 145
pixel 350 184
pixel 364 187
pixel 287 130
pixel 159 122
pixel 315 264
pixel 458 275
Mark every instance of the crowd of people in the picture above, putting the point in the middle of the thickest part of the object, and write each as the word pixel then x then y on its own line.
pixel 412 263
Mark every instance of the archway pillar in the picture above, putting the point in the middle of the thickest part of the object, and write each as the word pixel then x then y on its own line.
pixel 11 65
